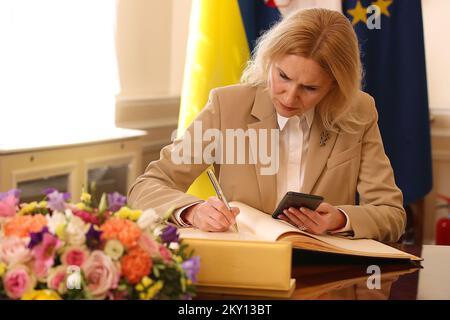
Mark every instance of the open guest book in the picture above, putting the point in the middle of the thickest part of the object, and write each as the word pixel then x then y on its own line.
pixel 255 225
pixel 257 260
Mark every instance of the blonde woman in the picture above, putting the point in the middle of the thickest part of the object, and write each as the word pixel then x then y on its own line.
pixel 304 82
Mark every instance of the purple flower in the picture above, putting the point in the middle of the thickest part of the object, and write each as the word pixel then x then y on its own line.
pixel 93 237
pixel 56 201
pixel 47 191
pixel 116 201
pixel 170 234
pixel 191 267
pixel 13 192
pixel 36 237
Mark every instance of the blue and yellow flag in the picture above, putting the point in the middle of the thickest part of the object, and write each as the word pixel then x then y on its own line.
pixel 393 55
pixel 217 53
pixel 222 33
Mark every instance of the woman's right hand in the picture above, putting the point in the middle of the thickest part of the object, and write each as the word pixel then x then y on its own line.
pixel 211 215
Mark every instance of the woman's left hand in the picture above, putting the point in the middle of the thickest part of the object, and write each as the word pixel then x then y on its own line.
pixel 325 218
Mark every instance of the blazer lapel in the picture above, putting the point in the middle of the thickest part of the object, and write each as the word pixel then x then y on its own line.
pixel 264 111
pixel 318 154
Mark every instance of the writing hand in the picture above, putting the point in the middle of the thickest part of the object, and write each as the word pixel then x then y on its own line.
pixel 211 215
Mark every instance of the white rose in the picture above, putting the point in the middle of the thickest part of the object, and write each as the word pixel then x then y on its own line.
pixel 76 231
pixel 149 219
pixel 55 221
pixel 69 214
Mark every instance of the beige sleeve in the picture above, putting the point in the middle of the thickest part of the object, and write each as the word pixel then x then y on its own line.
pixel 380 215
pixel 165 181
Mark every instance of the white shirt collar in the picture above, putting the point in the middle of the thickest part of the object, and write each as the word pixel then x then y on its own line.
pixel 309 115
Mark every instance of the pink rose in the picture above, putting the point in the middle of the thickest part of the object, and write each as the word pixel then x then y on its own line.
pixel 8 206
pixel 149 245
pixel 74 256
pixel 101 274
pixel 41 268
pixel 13 250
pixel 165 254
pixel 56 279
pixel 18 281
pixel 44 254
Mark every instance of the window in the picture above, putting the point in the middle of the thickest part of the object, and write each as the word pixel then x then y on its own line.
pixel 58 68
pixel 33 190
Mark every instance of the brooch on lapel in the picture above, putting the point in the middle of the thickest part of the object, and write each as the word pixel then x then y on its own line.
pixel 324 136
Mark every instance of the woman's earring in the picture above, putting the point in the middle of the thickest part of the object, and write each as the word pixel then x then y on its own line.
pixel 324 136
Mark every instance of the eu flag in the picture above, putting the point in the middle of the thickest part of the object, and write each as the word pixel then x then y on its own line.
pixel 258 16
pixel 390 33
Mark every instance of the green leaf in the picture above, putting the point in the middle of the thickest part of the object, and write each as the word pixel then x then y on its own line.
pixel 156 272
pixel 103 204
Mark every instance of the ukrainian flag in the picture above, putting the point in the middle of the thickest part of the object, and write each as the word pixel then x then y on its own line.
pixel 217 53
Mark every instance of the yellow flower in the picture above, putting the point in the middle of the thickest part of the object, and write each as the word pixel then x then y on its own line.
pixel 139 287
pixel 127 213
pixel 148 288
pixel 146 281
pixel 28 208
pixel 41 295
pixel 135 214
pixel 153 290
pixel 42 204
pixel 81 206
pixel 85 197
pixel 123 213
pixel 2 269
pixel 61 231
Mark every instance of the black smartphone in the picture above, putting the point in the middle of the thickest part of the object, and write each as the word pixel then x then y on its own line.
pixel 297 200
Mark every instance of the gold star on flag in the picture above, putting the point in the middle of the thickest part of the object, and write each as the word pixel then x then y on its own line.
pixel 383 5
pixel 358 13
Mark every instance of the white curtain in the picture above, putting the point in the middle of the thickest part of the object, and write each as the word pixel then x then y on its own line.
pixel 58 73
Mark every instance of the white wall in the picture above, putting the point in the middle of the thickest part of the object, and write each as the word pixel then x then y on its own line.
pixel 151 42
pixel 180 15
pixel 437 49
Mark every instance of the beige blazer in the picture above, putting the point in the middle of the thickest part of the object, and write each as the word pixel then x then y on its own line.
pixel 346 164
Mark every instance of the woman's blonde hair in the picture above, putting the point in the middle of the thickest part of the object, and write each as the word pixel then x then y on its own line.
pixel 326 37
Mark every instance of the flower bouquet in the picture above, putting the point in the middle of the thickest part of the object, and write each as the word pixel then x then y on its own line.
pixel 57 249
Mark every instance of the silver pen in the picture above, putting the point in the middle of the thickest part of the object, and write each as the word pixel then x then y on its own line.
pixel 219 192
